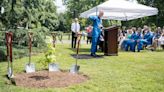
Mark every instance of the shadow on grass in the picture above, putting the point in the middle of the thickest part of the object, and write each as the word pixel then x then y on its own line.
pixel 83 50
pixel 160 50
pixel 86 56
pixel 80 50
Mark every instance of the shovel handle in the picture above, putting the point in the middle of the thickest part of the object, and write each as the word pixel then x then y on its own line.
pixel 10 42
pixel 7 49
pixel 7 44
pixel 30 34
pixel 78 41
pixel 9 38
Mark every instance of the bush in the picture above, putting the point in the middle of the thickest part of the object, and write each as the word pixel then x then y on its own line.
pixel 2 54
pixel 50 56
pixel 2 38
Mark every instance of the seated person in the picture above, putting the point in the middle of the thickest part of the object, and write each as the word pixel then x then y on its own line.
pixel 131 41
pixel 126 39
pixel 135 37
pixel 121 38
pixel 161 40
pixel 156 36
pixel 147 39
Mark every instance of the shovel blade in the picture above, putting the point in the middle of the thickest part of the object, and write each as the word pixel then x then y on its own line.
pixel 10 73
pixel 52 67
pixel 30 68
pixel 75 69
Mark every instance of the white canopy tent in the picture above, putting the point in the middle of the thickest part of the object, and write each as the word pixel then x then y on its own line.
pixel 121 10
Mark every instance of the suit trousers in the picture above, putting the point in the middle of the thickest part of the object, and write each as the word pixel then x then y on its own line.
pixel 74 38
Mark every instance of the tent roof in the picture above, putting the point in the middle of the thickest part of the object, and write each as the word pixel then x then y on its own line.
pixel 121 10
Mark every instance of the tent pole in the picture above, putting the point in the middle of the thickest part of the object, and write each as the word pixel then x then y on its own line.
pixel 96 11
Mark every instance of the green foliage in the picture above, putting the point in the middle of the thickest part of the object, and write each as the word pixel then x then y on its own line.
pixel 38 16
pixel 157 20
pixel 2 53
pixel 49 56
pixel 62 23
pixel 2 38
pixel 39 36
pixel 19 51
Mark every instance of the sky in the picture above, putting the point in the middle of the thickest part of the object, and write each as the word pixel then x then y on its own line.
pixel 60 7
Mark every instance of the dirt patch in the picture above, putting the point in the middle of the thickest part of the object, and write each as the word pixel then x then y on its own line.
pixel 45 79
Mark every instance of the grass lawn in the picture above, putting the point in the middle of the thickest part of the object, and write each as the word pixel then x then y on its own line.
pixel 128 72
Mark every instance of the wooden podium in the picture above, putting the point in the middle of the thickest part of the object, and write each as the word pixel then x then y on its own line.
pixel 110 41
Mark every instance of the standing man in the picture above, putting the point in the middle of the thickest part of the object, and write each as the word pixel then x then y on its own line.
pixel 97 27
pixel 75 28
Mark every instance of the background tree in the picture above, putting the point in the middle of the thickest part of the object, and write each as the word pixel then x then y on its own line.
pixel 152 21
pixel 38 16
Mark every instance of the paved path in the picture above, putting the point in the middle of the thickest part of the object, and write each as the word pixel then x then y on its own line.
pixel 69 41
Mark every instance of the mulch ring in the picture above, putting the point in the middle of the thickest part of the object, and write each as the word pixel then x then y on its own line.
pixel 46 79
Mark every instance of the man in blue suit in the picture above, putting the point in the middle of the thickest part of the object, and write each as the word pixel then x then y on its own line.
pixel 138 39
pixel 97 28
pixel 132 41
pixel 147 39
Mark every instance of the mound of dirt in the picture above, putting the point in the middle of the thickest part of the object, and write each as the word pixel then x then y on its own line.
pixel 45 79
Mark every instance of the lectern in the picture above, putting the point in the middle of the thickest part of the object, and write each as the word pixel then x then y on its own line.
pixel 110 41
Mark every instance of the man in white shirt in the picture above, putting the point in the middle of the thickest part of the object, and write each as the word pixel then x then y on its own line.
pixel 75 28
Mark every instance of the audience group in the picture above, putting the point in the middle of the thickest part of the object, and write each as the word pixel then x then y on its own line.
pixel 136 39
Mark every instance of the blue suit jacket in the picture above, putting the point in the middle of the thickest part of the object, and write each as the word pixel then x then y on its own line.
pixel 96 22
pixel 136 36
pixel 148 37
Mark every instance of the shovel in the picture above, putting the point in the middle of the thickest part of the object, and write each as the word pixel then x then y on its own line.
pixel 52 67
pixel 9 54
pixel 75 68
pixel 30 67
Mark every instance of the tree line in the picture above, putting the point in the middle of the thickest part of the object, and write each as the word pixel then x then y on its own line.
pixel 82 5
